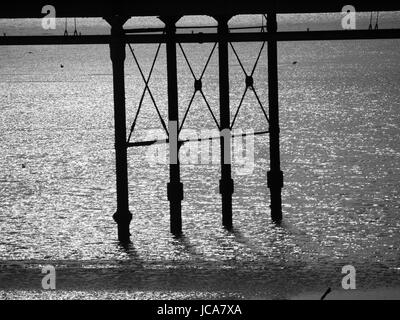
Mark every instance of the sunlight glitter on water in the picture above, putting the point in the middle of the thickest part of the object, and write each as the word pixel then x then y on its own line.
pixel 341 165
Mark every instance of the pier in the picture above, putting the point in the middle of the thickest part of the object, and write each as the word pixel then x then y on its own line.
pixel 116 13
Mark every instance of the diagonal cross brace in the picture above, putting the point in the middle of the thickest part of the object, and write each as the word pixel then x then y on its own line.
pixel 144 92
pixel 198 86
pixel 147 86
pixel 249 83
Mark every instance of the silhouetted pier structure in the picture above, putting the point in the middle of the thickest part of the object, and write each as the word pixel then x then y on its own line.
pixel 116 13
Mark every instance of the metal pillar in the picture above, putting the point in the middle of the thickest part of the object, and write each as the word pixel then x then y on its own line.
pixel 122 216
pixel 174 187
pixel 275 175
pixel 226 187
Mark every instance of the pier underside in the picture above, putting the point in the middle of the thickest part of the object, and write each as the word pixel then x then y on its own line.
pixel 116 13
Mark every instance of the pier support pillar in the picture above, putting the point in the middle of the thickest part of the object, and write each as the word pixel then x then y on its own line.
pixel 174 187
pixel 226 187
pixel 275 175
pixel 122 216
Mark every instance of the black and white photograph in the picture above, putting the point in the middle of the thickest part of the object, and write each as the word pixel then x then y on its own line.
pixel 205 151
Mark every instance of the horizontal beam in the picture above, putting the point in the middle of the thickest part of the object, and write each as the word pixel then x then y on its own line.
pixel 82 9
pixel 290 36
pixel 162 141
pixel 205 37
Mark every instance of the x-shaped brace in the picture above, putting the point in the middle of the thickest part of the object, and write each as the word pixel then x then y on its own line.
pixel 249 81
pixel 146 88
pixel 198 86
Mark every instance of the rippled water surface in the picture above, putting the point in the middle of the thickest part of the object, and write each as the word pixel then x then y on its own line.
pixel 340 145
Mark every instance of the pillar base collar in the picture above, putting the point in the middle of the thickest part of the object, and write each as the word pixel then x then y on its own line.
pixel 226 186
pixel 175 191
pixel 122 217
pixel 275 179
